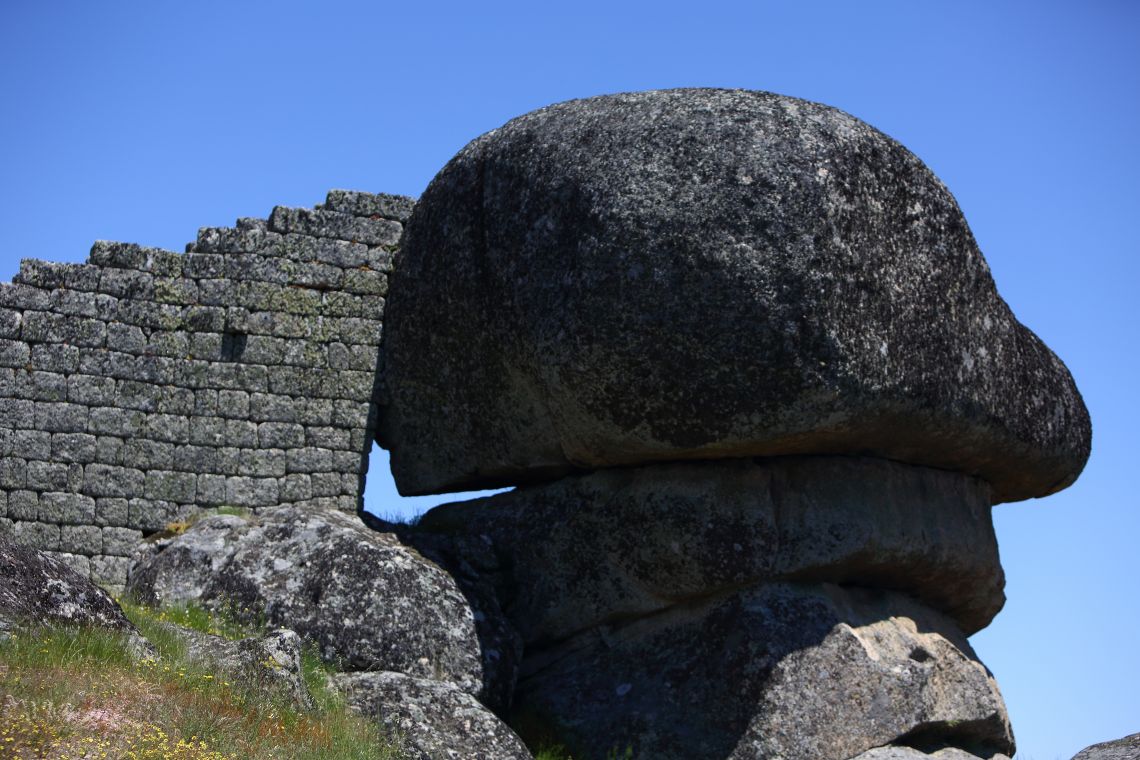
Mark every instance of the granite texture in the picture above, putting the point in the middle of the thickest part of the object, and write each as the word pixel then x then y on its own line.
pixel 698 274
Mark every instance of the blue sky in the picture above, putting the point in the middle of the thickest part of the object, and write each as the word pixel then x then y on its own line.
pixel 144 121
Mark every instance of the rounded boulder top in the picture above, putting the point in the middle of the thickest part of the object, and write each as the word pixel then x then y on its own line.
pixel 703 274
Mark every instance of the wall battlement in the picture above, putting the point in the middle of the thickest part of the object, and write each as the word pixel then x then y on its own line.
pixel 145 384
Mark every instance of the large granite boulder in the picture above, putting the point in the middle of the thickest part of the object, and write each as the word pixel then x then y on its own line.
pixel 627 542
pixel 1127 748
pixel 779 671
pixel 368 601
pixel 434 720
pixel 696 274
pixel 36 590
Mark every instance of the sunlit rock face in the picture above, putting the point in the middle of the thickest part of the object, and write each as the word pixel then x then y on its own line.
pixel 697 274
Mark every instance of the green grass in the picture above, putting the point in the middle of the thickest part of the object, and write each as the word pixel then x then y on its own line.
pixel 80 693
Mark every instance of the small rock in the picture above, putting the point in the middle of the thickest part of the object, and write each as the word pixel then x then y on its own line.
pixel 436 721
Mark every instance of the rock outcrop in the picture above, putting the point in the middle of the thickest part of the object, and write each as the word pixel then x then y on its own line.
pixel 697 274
pixel 36 589
pixel 750 371
pixel 368 601
pixel 1127 748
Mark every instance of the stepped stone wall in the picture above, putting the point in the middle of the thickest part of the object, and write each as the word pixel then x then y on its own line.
pixel 145 384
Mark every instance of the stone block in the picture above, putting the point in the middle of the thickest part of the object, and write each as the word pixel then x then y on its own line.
pixel 233 404
pixel 150 515
pixel 179 401
pixel 111 512
pixel 325 483
pixel 232 376
pixel 175 290
pixel 314 411
pixel 306 353
pixel 204 266
pixel 172 344
pixel 160 370
pixel 66 508
pixel 16 414
pixel 169 485
pixel 280 435
pixel 363 331
pixel 55 357
pixel 296 487
pixel 110 571
pixel 126 338
pixel 309 460
pixel 267 407
pixel 206 346
pixel 31 444
pixel 38 535
pixel 211 489
pixel 106 480
pixel 115 255
pixel 263 463
pixel 74 303
pixel 191 458
pixel 241 433
pixel 14 353
pixel 244 491
pixel 73 447
pixel 209 319
pixel 81 539
pixel 109 449
pixel 23 505
pixel 264 349
pixel 207 431
pixel 39 386
pixel 148 455
pixel 10 321
pixel 205 405
pixel 173 428
pixel 332 224
pixel 327 437
pixel 353 414
pixel 46 476
pixel 23 297
pixel 60 417
pixel 131 394
pixel 394 207
pixel 126 283
pixel 365 282
pixel 46 327
pixel 90 390
pixel 126 423
pixel 120 542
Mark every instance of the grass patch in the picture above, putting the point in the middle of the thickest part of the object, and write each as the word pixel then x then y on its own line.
pixel 79 693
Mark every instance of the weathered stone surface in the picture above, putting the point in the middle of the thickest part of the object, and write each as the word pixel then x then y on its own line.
pixel 780 671
pixel 695 274
pixel 270 663
pixel 909 753
pixel 435 720
pixel 368 601
pixel 626 542
pixel 1127 748
pixel 39 590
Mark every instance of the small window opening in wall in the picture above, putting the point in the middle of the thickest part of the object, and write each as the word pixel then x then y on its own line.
pixel 383 500
pixel 233 346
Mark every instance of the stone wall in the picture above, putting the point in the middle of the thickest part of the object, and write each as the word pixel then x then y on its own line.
pixel 145 385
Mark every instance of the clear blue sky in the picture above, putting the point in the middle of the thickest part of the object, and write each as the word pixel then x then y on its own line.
pixel 143 121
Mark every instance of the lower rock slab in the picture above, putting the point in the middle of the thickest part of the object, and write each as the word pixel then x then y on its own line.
pixel 783 670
